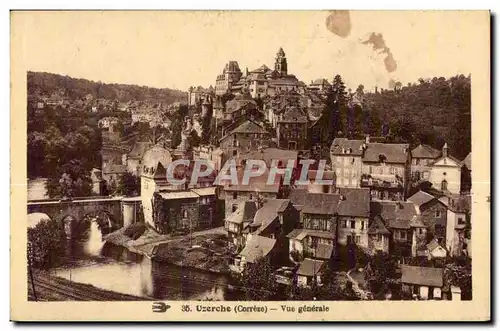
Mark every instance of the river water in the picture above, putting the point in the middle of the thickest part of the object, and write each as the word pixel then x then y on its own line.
pixel 114 268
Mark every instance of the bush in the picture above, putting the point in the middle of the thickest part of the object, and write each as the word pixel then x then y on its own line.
pixel 46 244
pixel 134 231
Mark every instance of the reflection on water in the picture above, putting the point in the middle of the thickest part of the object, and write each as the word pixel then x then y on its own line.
pixel 119 270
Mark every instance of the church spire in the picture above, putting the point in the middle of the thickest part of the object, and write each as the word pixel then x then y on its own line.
pixel 280 65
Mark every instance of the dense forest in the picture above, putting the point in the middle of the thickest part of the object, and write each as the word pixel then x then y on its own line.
pixel 432 111
pixel 46 84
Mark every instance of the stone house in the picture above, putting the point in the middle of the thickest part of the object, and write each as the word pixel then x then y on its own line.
pixel 433 213
pixel 400 219
pixel 291 130
pixel 346 159
pixel 309 272
pixel 353 212
pixel 422 158
pixel 246 137
pixel 134 157
pixel 435 251
pixel 386 170
pixel 422 282
pixel 315 186
pixel 237 224
pixel 256 248
pixel 257 190
pixel 378 237
pixel 112 174
pixel 458 224
pixel 320 84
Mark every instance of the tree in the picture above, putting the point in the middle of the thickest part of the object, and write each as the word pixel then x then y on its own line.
pixel 382 272
pixel 258 280
pixel 73 181
pixel 128 185
pixel 46 244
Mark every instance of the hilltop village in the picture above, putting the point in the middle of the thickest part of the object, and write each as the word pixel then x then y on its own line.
pixel 396 218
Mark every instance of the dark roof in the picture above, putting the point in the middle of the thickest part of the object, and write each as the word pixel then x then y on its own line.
pixel 354 147
pixel 396 214
pixel 378 227
pixel 249 127
pixel 394 153
pixel 320 81
pixel 323 251
pixel 432 245
pixel 269 211
pixel 356 203
pixel 467 161
pixel 425 151
pixel 269 154
pixel 422 276
pixel 300 234
pixel 457 204
pixel 255 184
pixel 257 247
pixel 292 114
pixel 315 203
pixel 420 198
pixel 244 213
pixel 310 267
pixel 139 149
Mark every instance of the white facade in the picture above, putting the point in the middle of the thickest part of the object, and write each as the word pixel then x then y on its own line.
pixel 445 175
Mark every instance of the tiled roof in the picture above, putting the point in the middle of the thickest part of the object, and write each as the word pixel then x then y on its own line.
pixel 327 175
pixel 356 203
pixel 394 153
pixel 249 127
pixel 245 212
pixel 420 198
pixel 204 191
pixel 292 114
pixel 422 276
pixel 432 245
pixel 257 247
pixel 269 154
pixel 310 267
pixel 155 155
pixel 323 251
pixel 396 214
pixel 255 184
pixel 378 227
pixel 300 234
pixel 342 145
pixel 458 203
pixel 269 211
pixel 320 81
pixel 425 151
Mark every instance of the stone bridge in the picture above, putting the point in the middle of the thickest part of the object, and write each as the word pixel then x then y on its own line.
pixel 120 211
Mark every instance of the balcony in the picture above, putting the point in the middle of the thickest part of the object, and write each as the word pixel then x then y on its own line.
pixel 381 181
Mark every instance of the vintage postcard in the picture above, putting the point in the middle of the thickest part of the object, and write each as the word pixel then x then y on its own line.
pixel 250 165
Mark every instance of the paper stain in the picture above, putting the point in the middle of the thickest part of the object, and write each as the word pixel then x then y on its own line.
pixel 378 43
pixel 339 23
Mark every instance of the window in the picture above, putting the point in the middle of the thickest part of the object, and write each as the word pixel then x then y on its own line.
pixel 379 237
pixel 461 220
pixel 370 169
pixel 403 235
pixel 444 185
pixel 420 231
pixel 437 213
pixel 234 207
pixel 353 224
pixel 392 170
pixel 353 160
pixel 184 213
pixel 251 196
pixel 344 224
pixel 235 153
pixel 362 225
pixel 235 195
pixel 357 239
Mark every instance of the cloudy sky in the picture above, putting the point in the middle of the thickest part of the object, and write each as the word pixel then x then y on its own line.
pixel 180 49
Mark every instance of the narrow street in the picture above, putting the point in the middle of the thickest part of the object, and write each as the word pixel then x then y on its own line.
pixel 356 287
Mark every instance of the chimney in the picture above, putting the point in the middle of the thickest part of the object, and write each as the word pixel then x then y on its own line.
pixel 445 150
pixel 367 139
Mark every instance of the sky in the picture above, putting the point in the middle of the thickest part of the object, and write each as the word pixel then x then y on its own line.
pixel 180 49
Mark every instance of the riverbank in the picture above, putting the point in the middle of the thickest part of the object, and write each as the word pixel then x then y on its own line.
pixel 48 287
pixel 203 250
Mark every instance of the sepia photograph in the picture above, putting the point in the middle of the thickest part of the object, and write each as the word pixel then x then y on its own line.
pixel 244 161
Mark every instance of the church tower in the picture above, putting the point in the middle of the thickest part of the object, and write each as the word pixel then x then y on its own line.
pixel 280 65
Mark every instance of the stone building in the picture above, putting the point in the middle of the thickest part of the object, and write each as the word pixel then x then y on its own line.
pixel 246 137
pixel 386 170
pixel 422 158
pixel 446 173
pixel 230 75
pixel 134 157
pixel 433 213
pixel 320 84
pixel 292 130
pixel 346 159
pixel 237 224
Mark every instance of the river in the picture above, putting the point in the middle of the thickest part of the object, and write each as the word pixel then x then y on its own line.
pixel 114 268
pixel 36 189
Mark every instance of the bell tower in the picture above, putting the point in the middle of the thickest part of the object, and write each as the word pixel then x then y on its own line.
pixel 280 65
